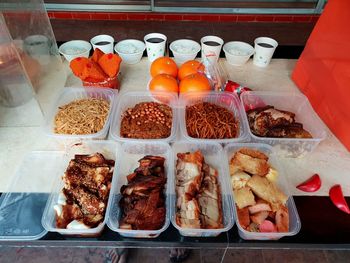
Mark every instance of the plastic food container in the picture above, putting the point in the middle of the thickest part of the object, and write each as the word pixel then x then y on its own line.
pixel 23 203
pixel 74 93
pixel 74 49
pixel 129 100
pixel 129 155
pixel 130 50
pixel 237 53
pixel 110 150
pixel 228 100
pixel 293 102
pixel 294 221
pixel 213 154
pixel 184 50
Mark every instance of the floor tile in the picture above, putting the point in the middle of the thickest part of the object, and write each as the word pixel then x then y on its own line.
pixel 294 256
pixel 212 255
pixel 335 256
pixel 243 256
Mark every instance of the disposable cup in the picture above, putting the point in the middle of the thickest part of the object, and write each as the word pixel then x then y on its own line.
pixel 264 49
pixel 155 50
pixel 103 42
pixel 38 47
pixel 210 49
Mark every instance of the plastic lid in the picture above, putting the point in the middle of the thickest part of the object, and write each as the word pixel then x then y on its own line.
pixel 22 206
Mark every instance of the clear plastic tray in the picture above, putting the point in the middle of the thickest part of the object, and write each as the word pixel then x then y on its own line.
pixel 130 99
pixel 22 205
pixel 228 100
pixel 70 94
pixel 130 154
pixel 110 150
pixel 296 103
pixel 294 221
pixel 213 154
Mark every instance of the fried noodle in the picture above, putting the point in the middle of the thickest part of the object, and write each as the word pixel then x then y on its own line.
pixel 84 116
pixel 209 121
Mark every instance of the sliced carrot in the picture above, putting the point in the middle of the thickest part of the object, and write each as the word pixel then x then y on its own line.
pixel 110 64
pixel 77 65
pixel 97 55
pixel 93 71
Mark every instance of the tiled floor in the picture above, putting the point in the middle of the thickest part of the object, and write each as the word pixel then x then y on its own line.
pixel 100 255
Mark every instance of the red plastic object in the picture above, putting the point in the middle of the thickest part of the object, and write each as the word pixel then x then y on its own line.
pixel 323 69
pixel 311 185
pixel 112 83
pixel 337 197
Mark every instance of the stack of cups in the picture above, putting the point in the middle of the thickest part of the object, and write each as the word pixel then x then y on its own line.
pixel 155 45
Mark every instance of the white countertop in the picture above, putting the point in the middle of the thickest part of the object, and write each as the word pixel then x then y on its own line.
pixel 330 159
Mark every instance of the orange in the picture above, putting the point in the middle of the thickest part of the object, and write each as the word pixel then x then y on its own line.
pixel 164 83
pixel 195 82
pixel 164 65
pixel 190 67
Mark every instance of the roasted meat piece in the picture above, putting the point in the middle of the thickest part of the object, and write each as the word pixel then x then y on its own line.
pixel 143 202
pixel 87 183
pixel 209 199
pixel 270 122
pixel 199 203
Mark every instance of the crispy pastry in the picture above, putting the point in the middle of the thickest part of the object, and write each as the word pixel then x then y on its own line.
pixel 267 191
pixel 244 197
pixel 250 161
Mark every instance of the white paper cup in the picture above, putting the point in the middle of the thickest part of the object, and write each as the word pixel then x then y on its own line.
pixel 75 48
pixel 184 50
pixel 105 47
pixel 38 47
pixel 264 49
pixel 155 50
pixel 210 51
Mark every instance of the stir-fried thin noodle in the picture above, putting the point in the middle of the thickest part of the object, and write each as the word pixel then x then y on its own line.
pixel 209 121
pixel 84 116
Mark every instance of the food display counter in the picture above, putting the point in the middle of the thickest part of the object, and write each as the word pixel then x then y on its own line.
pixel 323 226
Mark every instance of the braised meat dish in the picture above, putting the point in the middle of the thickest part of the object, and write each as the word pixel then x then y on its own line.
pixel 199 203
pixel 270 122
pixel 87 182
pixel 143 202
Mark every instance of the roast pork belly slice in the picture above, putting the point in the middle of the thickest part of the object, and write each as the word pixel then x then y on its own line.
pixel 188 223
pixel 209 199
pixel 189 210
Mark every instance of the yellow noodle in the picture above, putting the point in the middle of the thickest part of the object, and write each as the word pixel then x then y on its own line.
pixel 84 116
